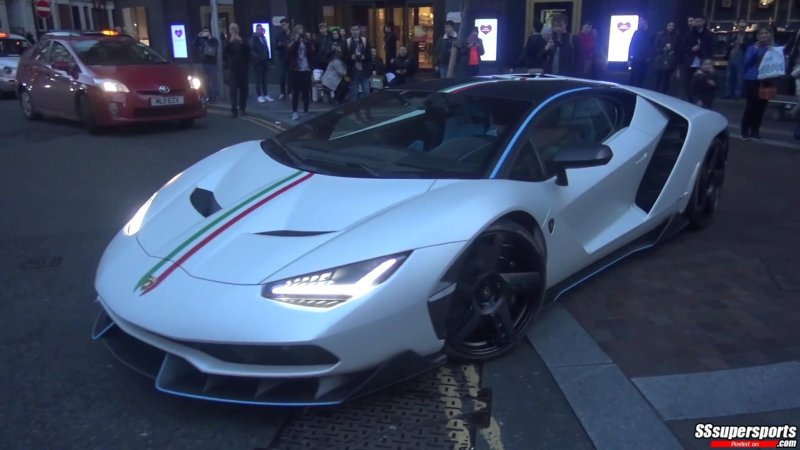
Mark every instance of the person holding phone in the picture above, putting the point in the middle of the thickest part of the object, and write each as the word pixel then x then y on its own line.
pixel 236 58
pixel 301 62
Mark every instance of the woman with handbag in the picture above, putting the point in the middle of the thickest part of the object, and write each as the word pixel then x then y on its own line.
pixel 759 85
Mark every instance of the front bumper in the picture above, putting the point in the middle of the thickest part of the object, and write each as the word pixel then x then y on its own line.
pixel 146 354
pixel 8 85
pixel 135 107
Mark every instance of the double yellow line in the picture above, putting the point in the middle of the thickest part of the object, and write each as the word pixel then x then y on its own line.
pixel 252 119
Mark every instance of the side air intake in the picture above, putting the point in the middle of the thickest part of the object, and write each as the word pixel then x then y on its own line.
pixel 663 161
pixel 204 202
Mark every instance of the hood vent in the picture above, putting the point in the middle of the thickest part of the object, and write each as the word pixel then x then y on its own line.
pixel 204 202
pixel 292 233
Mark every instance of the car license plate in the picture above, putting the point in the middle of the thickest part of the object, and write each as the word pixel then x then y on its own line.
pixel 166 101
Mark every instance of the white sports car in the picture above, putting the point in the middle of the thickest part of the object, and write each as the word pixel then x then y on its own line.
pixel 376 240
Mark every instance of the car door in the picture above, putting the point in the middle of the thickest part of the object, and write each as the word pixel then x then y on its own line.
pixel 593 214
pixel 36 73
pixel 61 93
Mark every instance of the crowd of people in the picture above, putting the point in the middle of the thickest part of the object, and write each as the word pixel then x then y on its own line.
pixel 343 61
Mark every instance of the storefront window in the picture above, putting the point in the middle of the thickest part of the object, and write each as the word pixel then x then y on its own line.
pixel 226 15
pixel 135 23
pixel 420 32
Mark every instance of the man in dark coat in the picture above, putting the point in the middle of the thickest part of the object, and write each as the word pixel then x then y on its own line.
pixel 236 57
pixel 260 56
pixel 559 53
pixel 639 53
pixel 281 43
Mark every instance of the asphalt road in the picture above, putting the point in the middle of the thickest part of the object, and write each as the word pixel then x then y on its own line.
pixel 64 195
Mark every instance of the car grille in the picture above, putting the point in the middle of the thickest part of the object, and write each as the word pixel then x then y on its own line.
pixel 172 92
pixel 267 355
pixel 160 111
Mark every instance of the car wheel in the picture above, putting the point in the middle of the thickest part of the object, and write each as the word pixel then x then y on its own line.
pixel 708 187
pixel 499 290
pixel 86 115
pixel 26 102
pixel 186 123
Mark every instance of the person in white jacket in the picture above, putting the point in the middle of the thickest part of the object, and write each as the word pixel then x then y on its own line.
pixel 335 76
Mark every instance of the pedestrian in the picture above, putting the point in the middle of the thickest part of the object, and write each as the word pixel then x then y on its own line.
pixel 301 61
pixel 639 53
pixel 358 54
pixel 334 77
pixel 737 46
pixel 471 55
pixel 757 92
pixel 665 57
pixel 389 41
pixel 236 57
pixel 377 70
pixel 533 54
pixel 324 47
pixel 402 68
pixel 205 49
pixel 260 57
pixel 559 54
pixel 444 48
pixel 281 43
pixel 699 45
pixel 337 41
pixel 585 52
pixel 704 86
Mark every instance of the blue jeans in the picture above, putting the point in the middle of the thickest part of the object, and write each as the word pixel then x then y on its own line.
pixel 734 83
pixel 359 80
pixel 443 70
pixel 210 72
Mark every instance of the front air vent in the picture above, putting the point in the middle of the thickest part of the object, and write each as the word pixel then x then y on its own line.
pixel 662 162
pixel 204 202
pixel 292 233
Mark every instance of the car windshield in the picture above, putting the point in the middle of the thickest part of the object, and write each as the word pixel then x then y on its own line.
pixel 13 47
pixel 116 52
pixel 404 134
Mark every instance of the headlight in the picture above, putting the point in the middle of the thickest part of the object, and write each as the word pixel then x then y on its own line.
pixel 335 286
pixel 133 225
pixel 8 71
pixel 195 82
pixel 111 85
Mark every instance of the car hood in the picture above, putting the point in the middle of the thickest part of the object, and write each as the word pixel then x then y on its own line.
pixel 9 61
pixel 246 216
pixel 145 77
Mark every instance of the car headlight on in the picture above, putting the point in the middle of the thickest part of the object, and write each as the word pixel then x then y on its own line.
pixel 135 224
pixel 195 82
pixel 111 85
pixel 332 287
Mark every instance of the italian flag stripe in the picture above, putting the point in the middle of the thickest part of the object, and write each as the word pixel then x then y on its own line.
pixel 149 281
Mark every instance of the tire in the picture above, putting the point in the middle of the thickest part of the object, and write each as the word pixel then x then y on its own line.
pixel 87 115
pixel 28 108
pixel 499 290
pixel 708 186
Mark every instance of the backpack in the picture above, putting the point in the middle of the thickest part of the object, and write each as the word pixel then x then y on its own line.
pixel 210 48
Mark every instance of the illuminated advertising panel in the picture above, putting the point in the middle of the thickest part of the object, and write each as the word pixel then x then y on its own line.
pixel 619 37
pixel 179 47
pixel 487 31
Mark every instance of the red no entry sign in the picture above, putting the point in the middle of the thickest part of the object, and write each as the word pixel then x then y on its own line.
pixel 43 8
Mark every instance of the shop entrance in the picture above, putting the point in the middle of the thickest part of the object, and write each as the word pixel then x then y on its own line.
pixel 544 10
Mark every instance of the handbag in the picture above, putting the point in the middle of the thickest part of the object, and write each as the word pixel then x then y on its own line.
pixel 376 83
pixel 773 64
pixel 767 91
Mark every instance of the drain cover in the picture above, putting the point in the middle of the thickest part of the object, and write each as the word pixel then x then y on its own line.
pixel 442 409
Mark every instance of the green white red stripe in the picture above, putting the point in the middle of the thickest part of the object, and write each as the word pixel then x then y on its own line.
pixel 158 273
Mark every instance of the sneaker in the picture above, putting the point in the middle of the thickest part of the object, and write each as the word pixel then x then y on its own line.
pixel 295 116
pixel 261 99
pixel 756 136
pixel 745 136
pixel 281 97
pixel 268 98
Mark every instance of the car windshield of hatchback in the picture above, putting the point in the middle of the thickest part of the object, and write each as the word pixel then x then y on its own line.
pixel 13 47
pixel 116 52
pixel 404 134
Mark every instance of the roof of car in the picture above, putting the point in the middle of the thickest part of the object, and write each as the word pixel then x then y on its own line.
pixel 11 36
pixel 511 87
pixel 82 35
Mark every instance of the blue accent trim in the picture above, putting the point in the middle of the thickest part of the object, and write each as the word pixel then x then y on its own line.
pixel 524 125
pixel 101 333
pixel 225 400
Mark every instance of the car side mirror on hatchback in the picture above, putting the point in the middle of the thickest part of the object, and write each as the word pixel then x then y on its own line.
pixel 65 66
pixel 577 157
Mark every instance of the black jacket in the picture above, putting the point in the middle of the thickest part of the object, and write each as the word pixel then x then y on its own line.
pixel 259 51
pixel 565 51
pixel 704 40
pixel 403 67
pixel 641 48
pixel 324 50
pixel 281 43
pixel 236 56
pixel 533 56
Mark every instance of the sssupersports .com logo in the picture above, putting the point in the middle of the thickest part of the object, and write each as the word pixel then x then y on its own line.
pixel 747 436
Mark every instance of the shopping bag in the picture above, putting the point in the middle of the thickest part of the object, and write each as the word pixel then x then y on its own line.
pixel 773 64
pixel 317 75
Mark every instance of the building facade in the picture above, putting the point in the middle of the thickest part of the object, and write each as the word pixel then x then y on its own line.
pixel 781 13
pixel 19 16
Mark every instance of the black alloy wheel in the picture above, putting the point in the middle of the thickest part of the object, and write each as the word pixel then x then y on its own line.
pixel 499 290
pixel 708 187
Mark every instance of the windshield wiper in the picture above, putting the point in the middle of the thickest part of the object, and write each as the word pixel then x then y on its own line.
pixel 288 152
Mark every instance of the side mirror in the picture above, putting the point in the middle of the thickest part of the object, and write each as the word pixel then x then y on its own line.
pixel 579 157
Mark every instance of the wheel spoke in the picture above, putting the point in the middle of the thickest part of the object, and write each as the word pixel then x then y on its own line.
pixel 503 323
pixel 469 327
pixel 522 281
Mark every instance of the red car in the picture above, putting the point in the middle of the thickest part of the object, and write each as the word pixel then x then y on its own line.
pixel 102 79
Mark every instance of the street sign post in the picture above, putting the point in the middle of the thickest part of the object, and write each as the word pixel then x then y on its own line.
pixel 43 9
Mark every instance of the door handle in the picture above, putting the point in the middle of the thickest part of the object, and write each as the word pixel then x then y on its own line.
pixel 641 158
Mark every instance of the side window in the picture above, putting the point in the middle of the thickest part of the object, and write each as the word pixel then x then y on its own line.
pixel 60 53
pixel 40 52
